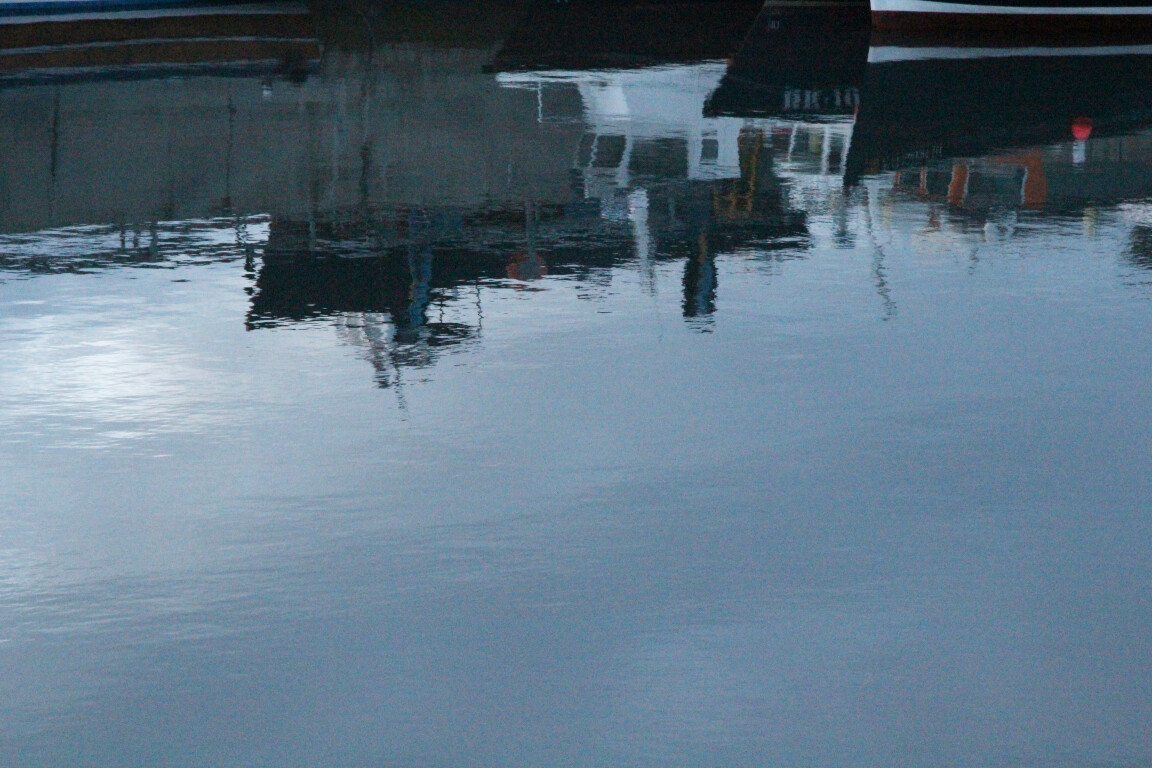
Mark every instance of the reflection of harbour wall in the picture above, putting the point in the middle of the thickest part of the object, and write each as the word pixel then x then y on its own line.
pixel 103 152
pixel 421 126
pixel 440 131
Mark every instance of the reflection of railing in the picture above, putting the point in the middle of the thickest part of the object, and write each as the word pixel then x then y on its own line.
pixel 816 142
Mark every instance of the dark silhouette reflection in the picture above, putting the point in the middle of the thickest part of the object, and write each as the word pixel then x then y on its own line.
pixel 799 61
pixel 700 283
pixel 1140 246
pixel 381 303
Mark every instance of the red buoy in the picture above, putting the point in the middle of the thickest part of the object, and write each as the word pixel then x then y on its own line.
pixel 1081 128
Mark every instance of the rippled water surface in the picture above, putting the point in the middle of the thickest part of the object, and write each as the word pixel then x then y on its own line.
pixel 517 390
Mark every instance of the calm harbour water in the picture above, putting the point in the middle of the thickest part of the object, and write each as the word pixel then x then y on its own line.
pixel 483 401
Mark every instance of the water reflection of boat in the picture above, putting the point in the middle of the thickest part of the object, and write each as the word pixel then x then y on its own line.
pixel 923 105
pixel 800 60
pixel 150 41
pixel 647 137
pixel 798 76
pixel 651 181
pixel 398 180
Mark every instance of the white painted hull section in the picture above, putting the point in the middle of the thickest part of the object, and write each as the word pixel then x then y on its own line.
pixel 930 6
pixel 890 54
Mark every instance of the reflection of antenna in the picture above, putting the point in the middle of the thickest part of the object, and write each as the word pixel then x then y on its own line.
pixel 401 399
pixel 55 155
pixel 880 277
pixel 246 244
pixel 380 353
pixel 973 260
pixel 479 311
pixel 879 274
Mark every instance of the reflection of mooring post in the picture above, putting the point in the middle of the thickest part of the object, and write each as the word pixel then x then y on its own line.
pixel 154 242
pixel 54 157
pixel 227 205
pixel 958 185
pixel 528 265
pixel 700 281
pixel 420 273
pixel 420 270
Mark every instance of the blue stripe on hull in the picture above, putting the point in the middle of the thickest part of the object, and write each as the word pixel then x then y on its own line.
pixel 48 7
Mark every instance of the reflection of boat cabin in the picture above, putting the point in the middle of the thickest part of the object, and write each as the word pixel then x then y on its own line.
pixel 627 112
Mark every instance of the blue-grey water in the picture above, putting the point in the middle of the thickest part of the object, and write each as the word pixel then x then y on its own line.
pixel 433 404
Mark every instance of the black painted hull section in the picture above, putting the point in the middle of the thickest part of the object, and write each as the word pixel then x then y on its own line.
pixel 802 60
